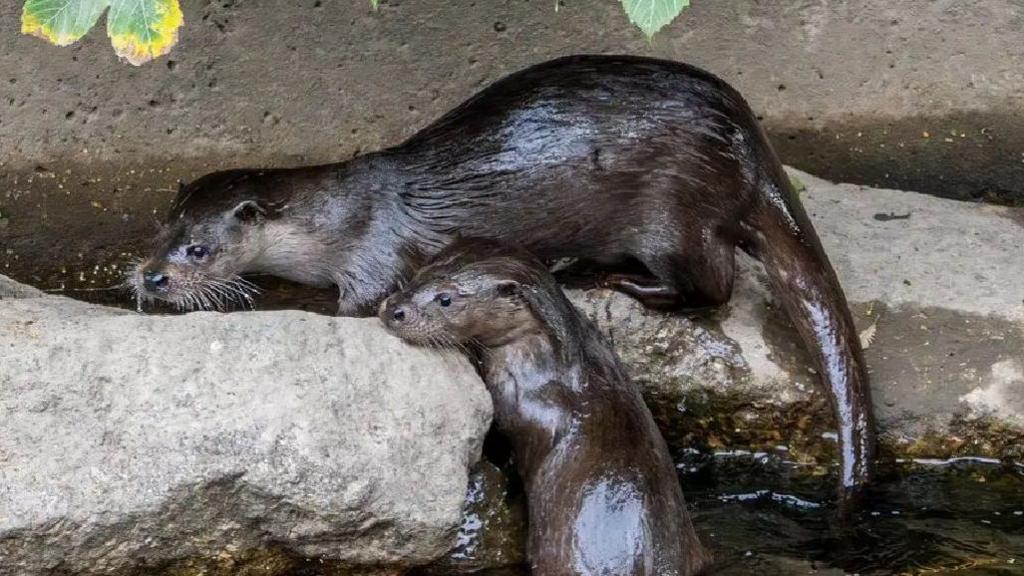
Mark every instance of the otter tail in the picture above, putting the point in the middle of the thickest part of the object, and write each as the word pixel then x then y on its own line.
pixel 802 278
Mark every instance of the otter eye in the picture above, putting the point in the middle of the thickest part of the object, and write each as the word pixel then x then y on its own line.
pixel 197 252
pixel 444 300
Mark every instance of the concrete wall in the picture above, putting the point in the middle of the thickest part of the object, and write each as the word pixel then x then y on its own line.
pixel 848 89
pixel 921 95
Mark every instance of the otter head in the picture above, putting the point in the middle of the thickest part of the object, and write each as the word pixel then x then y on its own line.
pixel 473 294
pixel 213 235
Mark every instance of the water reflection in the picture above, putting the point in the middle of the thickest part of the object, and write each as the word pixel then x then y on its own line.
pixel 762 516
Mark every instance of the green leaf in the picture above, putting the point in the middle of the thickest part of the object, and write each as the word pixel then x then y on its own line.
pixel 374 4
pixel 62 22
pixel 139 30
pixel 653 15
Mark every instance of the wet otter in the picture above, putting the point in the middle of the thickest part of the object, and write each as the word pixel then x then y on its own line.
pixel 601 158
pixel 602 492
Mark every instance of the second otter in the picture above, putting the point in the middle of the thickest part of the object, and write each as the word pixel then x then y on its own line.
pixel 602 491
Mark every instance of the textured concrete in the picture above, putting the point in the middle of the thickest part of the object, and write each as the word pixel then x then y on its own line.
pixel 914 95
pixel 209 444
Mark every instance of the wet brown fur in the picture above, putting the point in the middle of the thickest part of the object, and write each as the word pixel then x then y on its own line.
pixel 602 491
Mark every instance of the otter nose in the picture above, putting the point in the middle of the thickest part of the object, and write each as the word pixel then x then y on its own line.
pixel 155 281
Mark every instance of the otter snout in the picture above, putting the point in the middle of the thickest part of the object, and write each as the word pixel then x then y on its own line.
pixel 393 312
pixel 401 317
pixel 155 281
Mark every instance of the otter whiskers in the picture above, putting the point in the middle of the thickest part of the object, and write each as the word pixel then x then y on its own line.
pixel 218 295
pixel 198 293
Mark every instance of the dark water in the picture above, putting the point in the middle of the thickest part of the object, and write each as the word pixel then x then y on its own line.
pixel 763 516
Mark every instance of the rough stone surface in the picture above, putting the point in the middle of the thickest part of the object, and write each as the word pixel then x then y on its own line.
pixel 10 289
pixel 149 443
pixel 493 531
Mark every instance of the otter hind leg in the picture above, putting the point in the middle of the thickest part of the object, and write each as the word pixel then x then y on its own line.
pixel 708 275
pixel 693 283
pixel 648 289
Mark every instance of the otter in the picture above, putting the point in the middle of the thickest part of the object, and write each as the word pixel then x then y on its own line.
pixel 606 159
pixel 602 492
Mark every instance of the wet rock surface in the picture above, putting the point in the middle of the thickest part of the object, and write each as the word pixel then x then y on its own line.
pixel 213 444
pixel 493 531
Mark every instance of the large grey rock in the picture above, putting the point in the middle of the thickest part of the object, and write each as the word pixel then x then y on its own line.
pixel 10 289
pixel 133 441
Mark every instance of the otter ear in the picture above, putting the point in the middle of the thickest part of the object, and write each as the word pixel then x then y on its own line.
pixel 249 211
pixel 508 289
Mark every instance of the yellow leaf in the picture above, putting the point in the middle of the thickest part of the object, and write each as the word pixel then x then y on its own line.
pixel 141 30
